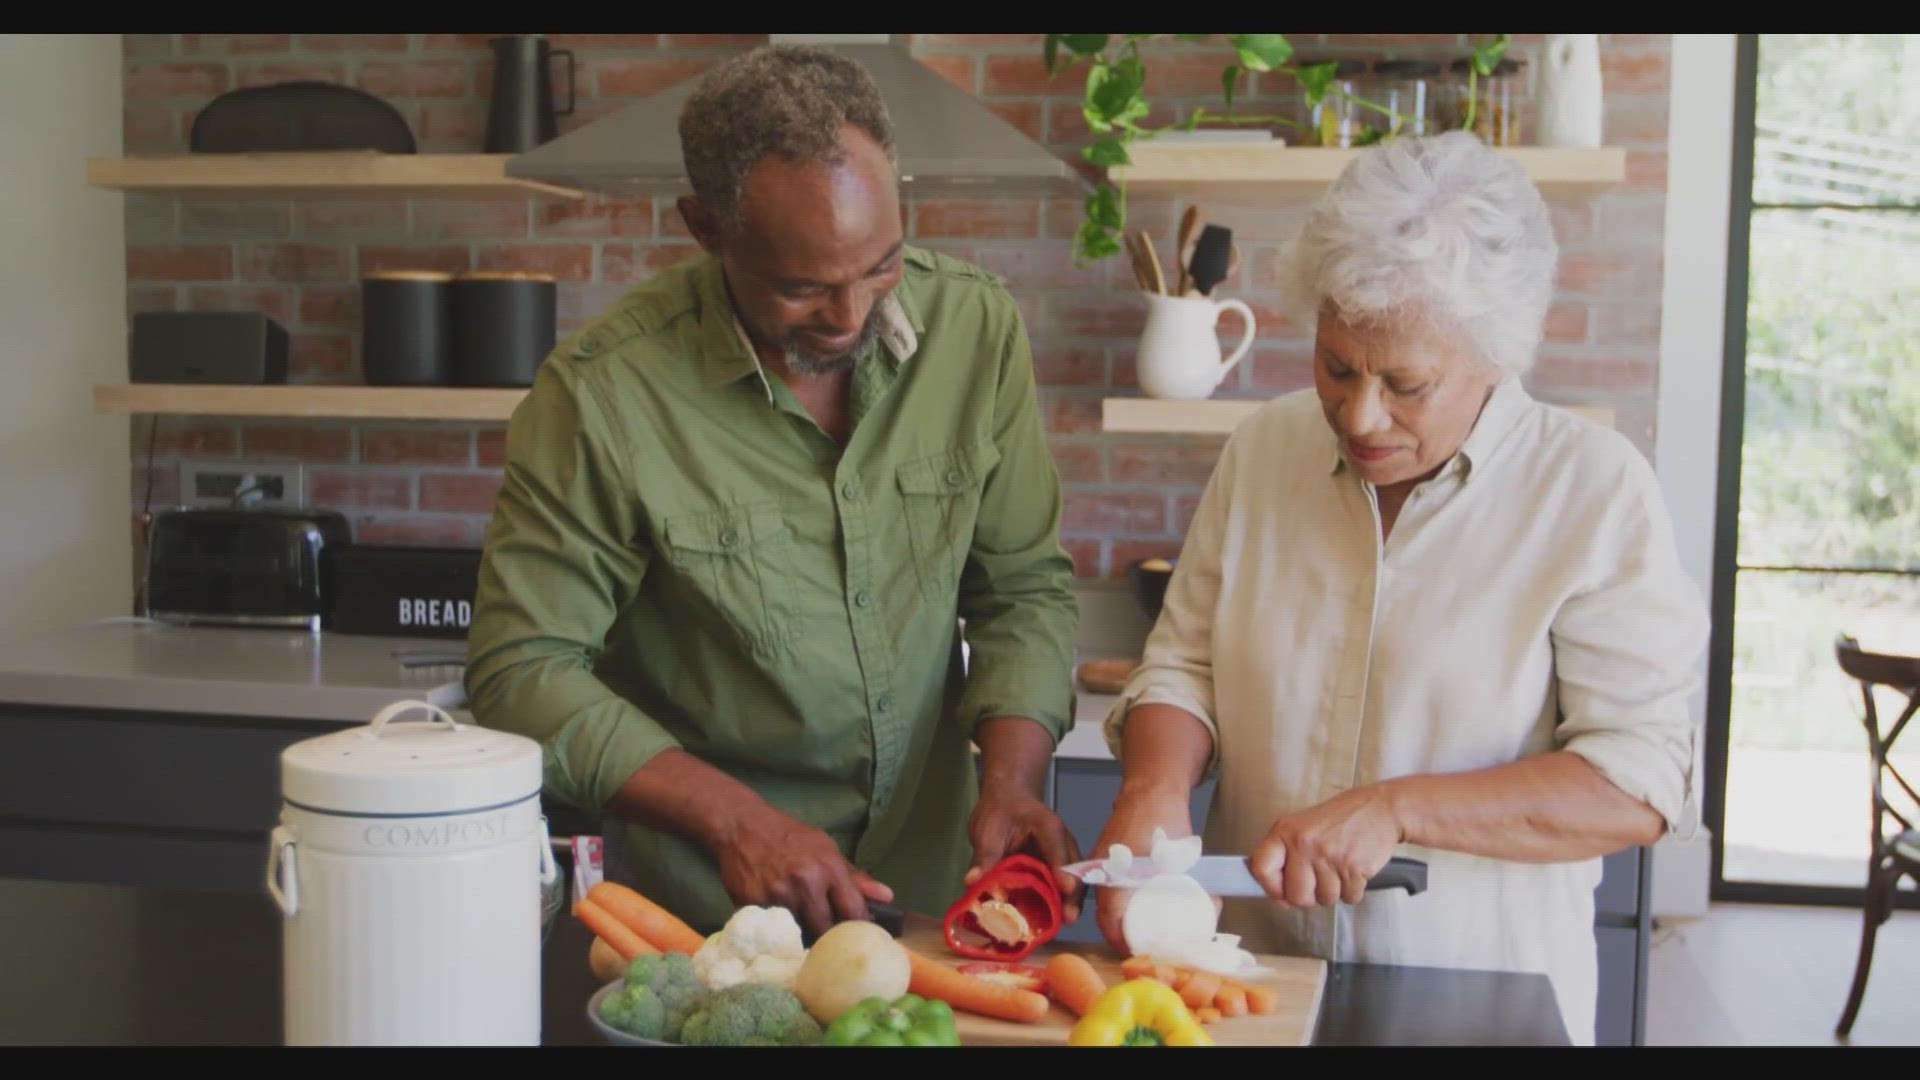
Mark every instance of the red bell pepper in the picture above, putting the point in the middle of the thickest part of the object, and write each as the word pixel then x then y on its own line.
pixel 1012 910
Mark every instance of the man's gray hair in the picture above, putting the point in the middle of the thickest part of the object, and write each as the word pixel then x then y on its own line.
pixel 1442 230
pixel 786 100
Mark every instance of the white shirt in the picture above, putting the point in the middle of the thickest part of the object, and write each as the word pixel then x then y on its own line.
pixel 1529 599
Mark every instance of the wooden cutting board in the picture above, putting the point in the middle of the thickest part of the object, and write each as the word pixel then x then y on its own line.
pixel 1301 981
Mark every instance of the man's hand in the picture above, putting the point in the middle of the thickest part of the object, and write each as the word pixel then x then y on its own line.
pixel 1008 820
pixel 1327 853
pixel 769 859
pixel 1010 817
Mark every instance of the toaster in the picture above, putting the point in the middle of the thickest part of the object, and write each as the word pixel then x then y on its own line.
pixel 244 566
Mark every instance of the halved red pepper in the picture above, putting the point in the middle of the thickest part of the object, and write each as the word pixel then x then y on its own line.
pixel 1012 910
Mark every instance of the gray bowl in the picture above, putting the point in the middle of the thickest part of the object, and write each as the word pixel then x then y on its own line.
pixel 608 1031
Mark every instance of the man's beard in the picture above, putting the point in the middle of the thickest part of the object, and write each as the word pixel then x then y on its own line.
pixel 803 361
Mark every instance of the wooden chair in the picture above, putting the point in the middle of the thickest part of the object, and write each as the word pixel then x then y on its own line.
pixel 1895 855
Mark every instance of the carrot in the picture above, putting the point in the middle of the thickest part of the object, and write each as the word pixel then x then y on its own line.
pixel 1137 967
pixel 661 928
pixel 1206 1014
pixel 1231 1000
pixel 1200 988
pixel 933 979
pixel 618 936
pixel 1262 1000
pixel 1166 973
pixel 1073 982
pixel 1181 977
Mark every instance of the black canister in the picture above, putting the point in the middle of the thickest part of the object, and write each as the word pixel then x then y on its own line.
pixel 503 326
pixel 407 328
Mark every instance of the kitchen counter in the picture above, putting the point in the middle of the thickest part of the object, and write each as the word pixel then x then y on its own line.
pixel 134 665
pixel 1364 1004
pixel 128 665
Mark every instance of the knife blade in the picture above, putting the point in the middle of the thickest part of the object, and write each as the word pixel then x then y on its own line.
pixel 1229 875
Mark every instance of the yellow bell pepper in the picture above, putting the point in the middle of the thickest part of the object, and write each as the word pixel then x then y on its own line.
pixel 1139 1012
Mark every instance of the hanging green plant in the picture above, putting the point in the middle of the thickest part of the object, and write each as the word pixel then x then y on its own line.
pixel 1116 102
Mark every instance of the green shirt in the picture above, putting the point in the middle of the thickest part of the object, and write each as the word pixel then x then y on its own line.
pixel 680 557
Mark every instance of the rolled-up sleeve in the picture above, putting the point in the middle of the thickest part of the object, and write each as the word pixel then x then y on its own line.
pixel 558 566
pixel 1627 650
pixel 1176 667
pixel 1016 591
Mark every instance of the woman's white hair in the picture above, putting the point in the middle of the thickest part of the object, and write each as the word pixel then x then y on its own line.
pixel 1438 229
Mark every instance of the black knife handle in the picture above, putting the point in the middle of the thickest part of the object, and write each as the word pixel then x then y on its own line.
pixel 1408 874
pixel 889 918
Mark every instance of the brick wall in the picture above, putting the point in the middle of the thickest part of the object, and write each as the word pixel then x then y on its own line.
pixel 299 260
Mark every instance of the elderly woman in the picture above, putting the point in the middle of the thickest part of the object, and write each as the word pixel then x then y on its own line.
pixel 1419 612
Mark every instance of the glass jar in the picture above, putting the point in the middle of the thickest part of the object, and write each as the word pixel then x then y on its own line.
pixel 1407 87
pixel 1494 101
pixel 1337 120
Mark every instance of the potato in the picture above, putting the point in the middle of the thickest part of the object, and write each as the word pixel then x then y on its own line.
pixel 605 963
pixel 850 963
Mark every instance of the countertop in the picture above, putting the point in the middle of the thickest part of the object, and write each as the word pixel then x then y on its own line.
pixel 215 671
pixel 133 664
pixel 1364 1004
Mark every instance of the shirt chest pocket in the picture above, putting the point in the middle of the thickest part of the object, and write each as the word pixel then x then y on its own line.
pixel 940 503
pixel 732 562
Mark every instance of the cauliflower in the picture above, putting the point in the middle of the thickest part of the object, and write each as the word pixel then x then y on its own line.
pixel 758 945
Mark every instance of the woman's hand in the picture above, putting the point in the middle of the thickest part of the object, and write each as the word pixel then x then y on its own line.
pixel 1328 853
pixel 1140 808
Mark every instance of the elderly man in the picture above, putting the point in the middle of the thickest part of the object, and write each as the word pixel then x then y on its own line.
pixel 1419 609
pixel 744 514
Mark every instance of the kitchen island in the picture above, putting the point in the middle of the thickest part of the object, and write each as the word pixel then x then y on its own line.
pixel 1363 1004
pixel 145 759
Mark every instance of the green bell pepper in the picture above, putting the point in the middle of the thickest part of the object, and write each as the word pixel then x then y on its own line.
pixel 909 1020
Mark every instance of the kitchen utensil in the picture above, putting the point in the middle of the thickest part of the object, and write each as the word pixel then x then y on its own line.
pixel 1212 258
pixel 1229 875
pixel 1189 233
pixel 1299 983
pixel 1136 260
pixel 1153 263
pixel 1179 353
pixel 413 866
pixel 521 115
pixel 890 918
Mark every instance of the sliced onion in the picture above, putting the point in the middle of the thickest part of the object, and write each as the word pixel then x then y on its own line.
pixel 1170 913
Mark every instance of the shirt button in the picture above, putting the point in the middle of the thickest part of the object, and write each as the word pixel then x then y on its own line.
pixel 590 345
pixel 884 703
pixel 954 477
pixel 729 537
pixel 862 598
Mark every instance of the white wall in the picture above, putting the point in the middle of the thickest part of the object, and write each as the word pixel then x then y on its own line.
pixel 65 539
pixel 1686 450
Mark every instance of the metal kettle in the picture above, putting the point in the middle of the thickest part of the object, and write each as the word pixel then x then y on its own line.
pixel 521 115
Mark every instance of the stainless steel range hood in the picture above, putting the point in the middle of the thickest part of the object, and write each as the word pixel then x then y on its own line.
pixel 948 142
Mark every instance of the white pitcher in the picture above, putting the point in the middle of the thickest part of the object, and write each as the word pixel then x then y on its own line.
pixel 1179 353
pixel 1570 91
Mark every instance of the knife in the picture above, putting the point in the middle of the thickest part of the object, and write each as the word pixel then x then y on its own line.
pixel 1229 875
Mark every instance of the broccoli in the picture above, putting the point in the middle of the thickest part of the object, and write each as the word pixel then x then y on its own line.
pixel 751 1014
pixel 662 990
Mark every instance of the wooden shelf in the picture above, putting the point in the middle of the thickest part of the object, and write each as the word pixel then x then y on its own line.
pixel 352 172
pixel 1273 173
pixel 350 402
pixel 1219 416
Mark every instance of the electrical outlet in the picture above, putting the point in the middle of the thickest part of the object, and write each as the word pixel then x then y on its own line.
pixel 214 483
